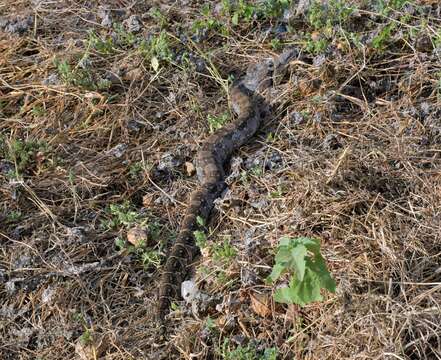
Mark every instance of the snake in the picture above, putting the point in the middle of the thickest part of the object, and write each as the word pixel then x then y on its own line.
pixel 249 105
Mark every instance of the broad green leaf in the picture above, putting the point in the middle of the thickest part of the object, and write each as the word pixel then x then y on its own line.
pixel 302 259
pixel 284 295
pixel 283 254
pixel 285 241
pixel 200 221
pixel 235 19
pixel 306 291
pixel 298 261
pixel 276 272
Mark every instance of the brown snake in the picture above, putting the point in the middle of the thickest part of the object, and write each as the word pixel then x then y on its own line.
pixel 211 159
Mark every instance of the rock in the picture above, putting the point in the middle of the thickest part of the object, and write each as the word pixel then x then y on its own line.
pixel 137 236
pixel 47 295
pixel 297 118
pixel 424 44
pixel 106 19
pixel 118 151
pixel 168 162
pixel 18 25
pixel 189 291
pixel 133 24
pixel 52 79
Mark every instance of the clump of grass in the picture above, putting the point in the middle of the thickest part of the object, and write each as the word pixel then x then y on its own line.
pixel 216 122
pixel 120 215
pixel 249 352
pixel 22 154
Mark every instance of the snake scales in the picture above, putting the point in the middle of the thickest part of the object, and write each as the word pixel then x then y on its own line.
pixel 249 105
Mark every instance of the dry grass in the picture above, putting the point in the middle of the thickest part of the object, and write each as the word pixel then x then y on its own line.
pixel 351 154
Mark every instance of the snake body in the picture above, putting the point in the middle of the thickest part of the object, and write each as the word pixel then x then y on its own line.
pixel 211 160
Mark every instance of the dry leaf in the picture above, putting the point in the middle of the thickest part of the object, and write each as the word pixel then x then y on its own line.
pixel 190 168
pixel 147 200
pixel 260 304
pixel 137 235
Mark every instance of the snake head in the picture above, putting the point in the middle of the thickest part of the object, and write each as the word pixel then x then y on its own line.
pixel 260 76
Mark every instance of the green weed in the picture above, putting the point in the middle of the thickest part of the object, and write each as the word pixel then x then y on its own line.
pixel 380 41
pixel 200 238
pixel 14 216
pixel 301 258
pixel 224 251
pixel 120 215
pixel 86 337
pixel 148 257
pixel 21 153
pixel 100 45
pixel 161 19
pixel 74 76
pixel 328 14
pixel 316 46
pixel 216 122
pixel 249 352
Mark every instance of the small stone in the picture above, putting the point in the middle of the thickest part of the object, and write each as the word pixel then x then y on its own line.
pixel 137 236
pixel 51 80
pixel 190 168
pixel 119 150
pixel 189 291
pixel 169 161
pixel 47 295
pixel 133 24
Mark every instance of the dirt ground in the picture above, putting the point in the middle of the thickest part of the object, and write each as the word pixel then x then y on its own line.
pixel 103 106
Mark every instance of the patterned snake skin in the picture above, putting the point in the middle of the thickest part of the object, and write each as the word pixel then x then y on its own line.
pixel 214 154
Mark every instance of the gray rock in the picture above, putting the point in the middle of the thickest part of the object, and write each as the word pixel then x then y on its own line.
pixel 52 79
pixel 133 24
pixel 19 26
pixel 118 151
pixel 169 161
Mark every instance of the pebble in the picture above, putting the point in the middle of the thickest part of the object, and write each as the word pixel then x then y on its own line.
pixel 133 24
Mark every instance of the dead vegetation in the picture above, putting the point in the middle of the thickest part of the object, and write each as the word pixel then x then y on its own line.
pixel 102 109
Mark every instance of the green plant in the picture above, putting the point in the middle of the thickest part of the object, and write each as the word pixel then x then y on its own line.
pixel 384 7
pixel 276 44
pixel 125 39
pixel 37 110
pixel 238 353
pixel 135 169
pixel 150 257
pixel 14 216
pixel 380 41
pixel 200 238
pixel 161 19
pixel 315 46
pixel 74 76
pixel 120 215
pixel 86 337
pixel 216 122
pixel 102 46
pixel 147 256
pixel 249 352
pixel 224 251
pixel 301 258
pixel 333 12
pixel 21 153
pixel 157 50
